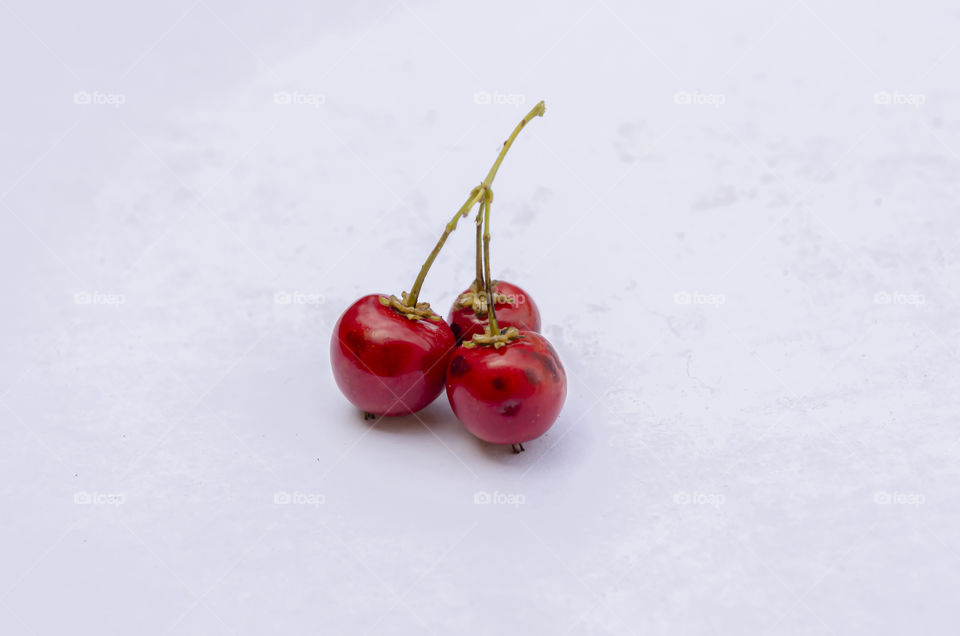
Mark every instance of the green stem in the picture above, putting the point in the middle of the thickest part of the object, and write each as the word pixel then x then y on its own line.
pixel 537 111
pixel 491 314
pixel 479 282
pixel 475 195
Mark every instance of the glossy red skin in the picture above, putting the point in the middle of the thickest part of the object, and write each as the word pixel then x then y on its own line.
pixel 523 314
pixel 508 395
pixel 385 363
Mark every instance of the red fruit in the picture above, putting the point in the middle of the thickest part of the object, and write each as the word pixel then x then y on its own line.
pixel 521 313
pixel 508 395
pixel 386 363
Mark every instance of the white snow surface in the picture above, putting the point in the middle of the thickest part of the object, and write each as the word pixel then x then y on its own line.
pixel 745 258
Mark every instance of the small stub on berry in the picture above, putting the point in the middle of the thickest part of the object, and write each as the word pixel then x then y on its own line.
pixel 502 339
pixel 421 311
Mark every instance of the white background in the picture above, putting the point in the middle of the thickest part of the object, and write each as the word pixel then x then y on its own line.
pixel 754 295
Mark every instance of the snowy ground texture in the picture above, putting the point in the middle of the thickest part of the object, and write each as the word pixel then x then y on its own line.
pixel 740 221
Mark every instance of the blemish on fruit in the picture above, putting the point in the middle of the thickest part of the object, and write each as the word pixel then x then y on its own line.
pixel 510 408
pixel 459 366
pixel 548 362
pixel 532 377
pixel 498 383
pixel 355 341
pixel 553 352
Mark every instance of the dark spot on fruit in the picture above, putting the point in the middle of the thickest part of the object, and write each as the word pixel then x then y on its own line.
pixel 532 377
pixel 355 342
pixel 459 366
pixel 548 362
pixel 553 353
pixel 510 408
pixel 498 383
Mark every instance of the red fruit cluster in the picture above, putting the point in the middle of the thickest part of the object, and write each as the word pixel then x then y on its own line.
pixel 505 382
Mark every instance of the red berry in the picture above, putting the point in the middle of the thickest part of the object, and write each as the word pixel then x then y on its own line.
pixel 508 395
pixel 521 313
pixel 386 363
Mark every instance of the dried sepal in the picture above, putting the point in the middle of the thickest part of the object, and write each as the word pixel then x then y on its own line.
pixel 502 339
pixel 420 312
pixel 478 299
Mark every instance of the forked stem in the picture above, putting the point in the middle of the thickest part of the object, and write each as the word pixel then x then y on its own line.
pixel 537 111
pixel 477 194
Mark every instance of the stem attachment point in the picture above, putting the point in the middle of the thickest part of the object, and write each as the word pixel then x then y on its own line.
pixel 502 339
pixel 404 306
